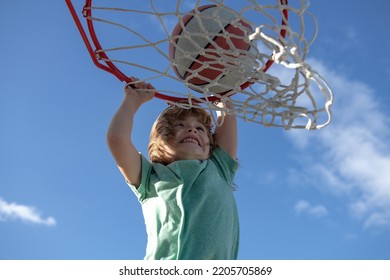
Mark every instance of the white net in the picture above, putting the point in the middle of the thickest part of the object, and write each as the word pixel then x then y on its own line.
pixel 137 37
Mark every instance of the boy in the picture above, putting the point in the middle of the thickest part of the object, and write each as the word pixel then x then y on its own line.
pixel 186 191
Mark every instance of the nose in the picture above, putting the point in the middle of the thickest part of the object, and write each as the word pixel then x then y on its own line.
pixel 191 129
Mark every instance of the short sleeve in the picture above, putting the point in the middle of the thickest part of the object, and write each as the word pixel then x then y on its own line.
pixel 141 191
pixel 226 164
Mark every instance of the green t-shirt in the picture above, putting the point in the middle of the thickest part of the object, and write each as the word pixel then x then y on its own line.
pixel 189 208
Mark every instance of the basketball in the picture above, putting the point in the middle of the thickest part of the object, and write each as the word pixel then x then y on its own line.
pixel 209 49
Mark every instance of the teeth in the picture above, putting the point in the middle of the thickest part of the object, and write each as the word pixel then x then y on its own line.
pixel 190 140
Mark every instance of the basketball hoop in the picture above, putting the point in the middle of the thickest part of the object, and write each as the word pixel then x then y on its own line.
pixel 267 81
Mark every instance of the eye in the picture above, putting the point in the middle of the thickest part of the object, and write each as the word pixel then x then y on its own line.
pixel 201 128
pixel 178 125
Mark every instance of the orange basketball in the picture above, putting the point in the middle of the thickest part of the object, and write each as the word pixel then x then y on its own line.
pixel 210 48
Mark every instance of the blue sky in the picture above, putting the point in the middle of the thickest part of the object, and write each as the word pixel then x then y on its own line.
pixel 301 194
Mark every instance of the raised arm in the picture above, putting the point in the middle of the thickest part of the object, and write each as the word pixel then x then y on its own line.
pixel 226 135
pixel 119 132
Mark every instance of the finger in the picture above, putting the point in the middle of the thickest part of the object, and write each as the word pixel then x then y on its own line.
pixel 133 83
pixel 149 86
pixel 129 85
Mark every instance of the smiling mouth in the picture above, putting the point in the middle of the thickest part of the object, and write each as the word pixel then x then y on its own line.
pixel 190 140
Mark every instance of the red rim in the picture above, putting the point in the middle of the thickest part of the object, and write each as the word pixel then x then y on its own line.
pixel 110 67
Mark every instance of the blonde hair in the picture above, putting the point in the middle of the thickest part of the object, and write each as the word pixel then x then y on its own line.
pixel 162 131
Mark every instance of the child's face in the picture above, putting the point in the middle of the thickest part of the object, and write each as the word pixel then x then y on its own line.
pixel 190 140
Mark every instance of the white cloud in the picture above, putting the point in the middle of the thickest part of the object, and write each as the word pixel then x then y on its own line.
pixel 25 213
pixel 304 207
pixel 351 157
